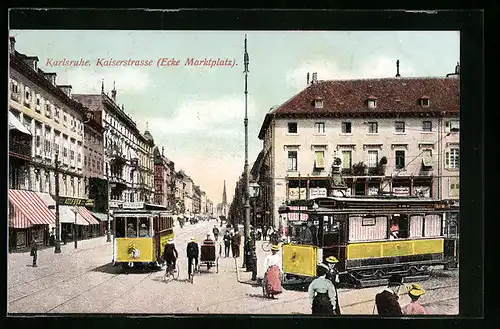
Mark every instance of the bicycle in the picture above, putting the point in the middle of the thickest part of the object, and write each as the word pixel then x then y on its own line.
pixel 171 273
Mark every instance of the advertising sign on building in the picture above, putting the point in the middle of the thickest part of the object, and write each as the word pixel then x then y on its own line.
pixel 115 203
pixel 317 192
pixel 403 191
pixel 422 191
pixel 133 205
pixel 75 201
pixel 373 190
pixel 295 193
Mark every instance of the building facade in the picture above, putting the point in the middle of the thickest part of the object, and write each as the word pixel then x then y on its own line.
pixel 164 180
pixel 129 161
pixel 396 136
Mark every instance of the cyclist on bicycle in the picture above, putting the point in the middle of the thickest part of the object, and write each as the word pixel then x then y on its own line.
pixel 193 252
pixel 170 254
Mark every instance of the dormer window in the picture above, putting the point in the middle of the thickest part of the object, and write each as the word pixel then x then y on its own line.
pixel 424 101
pixel 372 102
pixel 318 102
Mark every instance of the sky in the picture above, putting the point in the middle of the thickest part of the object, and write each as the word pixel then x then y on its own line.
pixel 196 113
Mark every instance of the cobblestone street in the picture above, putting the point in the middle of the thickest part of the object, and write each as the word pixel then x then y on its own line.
pixel 83 281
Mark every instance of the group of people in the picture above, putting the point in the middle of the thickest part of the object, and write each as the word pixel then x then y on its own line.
pixel 387 303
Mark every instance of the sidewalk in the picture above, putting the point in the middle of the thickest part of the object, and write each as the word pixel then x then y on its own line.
pixel 246 277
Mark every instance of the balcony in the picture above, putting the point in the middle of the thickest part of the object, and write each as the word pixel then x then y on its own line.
pixel 20 150
pixel 118 181
pixel 15 97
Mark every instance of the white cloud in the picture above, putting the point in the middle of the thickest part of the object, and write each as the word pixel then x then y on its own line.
pixel 128 80
pixel 378 67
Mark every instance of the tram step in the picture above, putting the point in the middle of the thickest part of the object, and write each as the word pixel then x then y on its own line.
pixel 383 282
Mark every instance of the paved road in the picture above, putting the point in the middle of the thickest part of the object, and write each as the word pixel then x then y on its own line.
pixel 83 281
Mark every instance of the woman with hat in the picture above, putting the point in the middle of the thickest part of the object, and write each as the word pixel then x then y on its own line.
pixel 273 271
pixel 387 301
pixel 415 291
pixel 333 275
pixel 322 295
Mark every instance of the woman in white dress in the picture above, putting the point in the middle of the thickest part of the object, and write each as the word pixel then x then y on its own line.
pixel 273 271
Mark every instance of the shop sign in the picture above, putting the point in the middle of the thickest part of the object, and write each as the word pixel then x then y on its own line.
pixel 373 190
pixel 401 190
pixel 115 203
pixel 317 192
pixel 296 193
pixel 423 191
pixel 133 205
pixel 75 201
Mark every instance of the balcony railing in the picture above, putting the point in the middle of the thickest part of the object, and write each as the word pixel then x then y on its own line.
pixel 20 150
pixel 15 96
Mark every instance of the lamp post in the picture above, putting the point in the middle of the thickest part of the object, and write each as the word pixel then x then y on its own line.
pixel 246 191
pixel 254 194
pixel 57 249
pixel 75 230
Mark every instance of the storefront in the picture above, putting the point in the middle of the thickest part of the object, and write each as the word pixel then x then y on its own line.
pixel 306 188
pixel 29 217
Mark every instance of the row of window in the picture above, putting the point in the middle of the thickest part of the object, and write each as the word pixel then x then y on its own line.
pixel 70 186
pixel 371 102
pixel 452 159
pixel 50 110
pixel 372 127
pixel 119 127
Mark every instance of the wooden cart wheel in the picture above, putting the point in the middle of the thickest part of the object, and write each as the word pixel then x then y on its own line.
pixel 176 274
pixel 217 264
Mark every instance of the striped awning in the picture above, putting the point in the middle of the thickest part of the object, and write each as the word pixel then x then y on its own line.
pixel 102 217
pixel 29 209
pixel 88 216
pixel 66 215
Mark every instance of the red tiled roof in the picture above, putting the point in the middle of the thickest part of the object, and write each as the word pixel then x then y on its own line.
pixel 395 96
pixel 349 96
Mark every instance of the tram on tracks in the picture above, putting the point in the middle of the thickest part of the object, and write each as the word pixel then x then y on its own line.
pixel 141 233
pixel 373 237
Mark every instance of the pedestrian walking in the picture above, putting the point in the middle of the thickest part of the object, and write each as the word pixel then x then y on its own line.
pixel 64 236
pixel 264 232
pixel 387 301
pixel 34 251
pixel 415 291
pixel 333 275
pixel 227 243
pixel 322 294
pixel 236 244
pixel 193 253
pixel 273 271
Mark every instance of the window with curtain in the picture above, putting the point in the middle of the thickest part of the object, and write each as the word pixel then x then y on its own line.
pixel 416 225
pixel 292 160
pixel 319 161
pixel 347 159
pixel 452 159
pixel 372 159
pixel 454 188
pixel 432 225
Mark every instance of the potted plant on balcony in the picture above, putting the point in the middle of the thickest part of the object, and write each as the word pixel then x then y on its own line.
pixel 359 169
pixel 382 165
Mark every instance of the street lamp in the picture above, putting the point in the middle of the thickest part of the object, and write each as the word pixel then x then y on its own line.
pixel 75 230
pixel 254 190
pixel 246 190
pixel 57 249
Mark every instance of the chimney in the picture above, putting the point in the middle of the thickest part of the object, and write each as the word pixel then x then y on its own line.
pixel 32 62
pixel 12 45
pixel 457 68
pixel 314 78
pixel 113 93
pixel 162 151
pixel 308 78
pixel 66 89
pixel 397 69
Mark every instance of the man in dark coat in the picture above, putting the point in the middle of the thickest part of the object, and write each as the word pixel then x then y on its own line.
pixel 236 244
pixel 34 251
pixel 387 301
pixel 170 254
pixel 227 243
pixel 193 253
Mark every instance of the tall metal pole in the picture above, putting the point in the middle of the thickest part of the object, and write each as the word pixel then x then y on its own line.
pixel 76 230
pixel 57 249
pixel 246 206
pixel 108 233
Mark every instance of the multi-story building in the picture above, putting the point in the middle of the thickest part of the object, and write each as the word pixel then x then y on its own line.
pixel 129 162
pixel 393 135
pixel 164 180
pixel 179 187
pixel 203 203
pixel 210 208
pixel 196 199
pixel 188 193
pixel 55 122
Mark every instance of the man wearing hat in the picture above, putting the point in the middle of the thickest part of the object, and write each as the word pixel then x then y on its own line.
pixel 415 291
pixel 170 254
pixel 192 254
pixel 322 295
pixel 387 301
pixel 333 275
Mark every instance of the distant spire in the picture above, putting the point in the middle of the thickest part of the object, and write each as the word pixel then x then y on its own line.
pixel 146 126
pixel 397 69
pixel 102 86
pixel 224 195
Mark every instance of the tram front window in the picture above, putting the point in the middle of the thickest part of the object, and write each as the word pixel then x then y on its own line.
pixel 144 228
pixel 131 228
pixel 120 227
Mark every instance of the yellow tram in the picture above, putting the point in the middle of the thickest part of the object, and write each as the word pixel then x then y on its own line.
pixel 373 237
pixel 140 236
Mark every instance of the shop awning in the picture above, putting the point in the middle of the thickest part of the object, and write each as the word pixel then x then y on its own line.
pixel 47 199
pixel 29 209
pixel 14 123
pixel 66 215
pixel 427 160
pixel 102 217
pixel 88 216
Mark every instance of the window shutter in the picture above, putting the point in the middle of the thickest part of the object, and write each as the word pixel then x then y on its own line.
pixel 447 129
pixel 447 160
